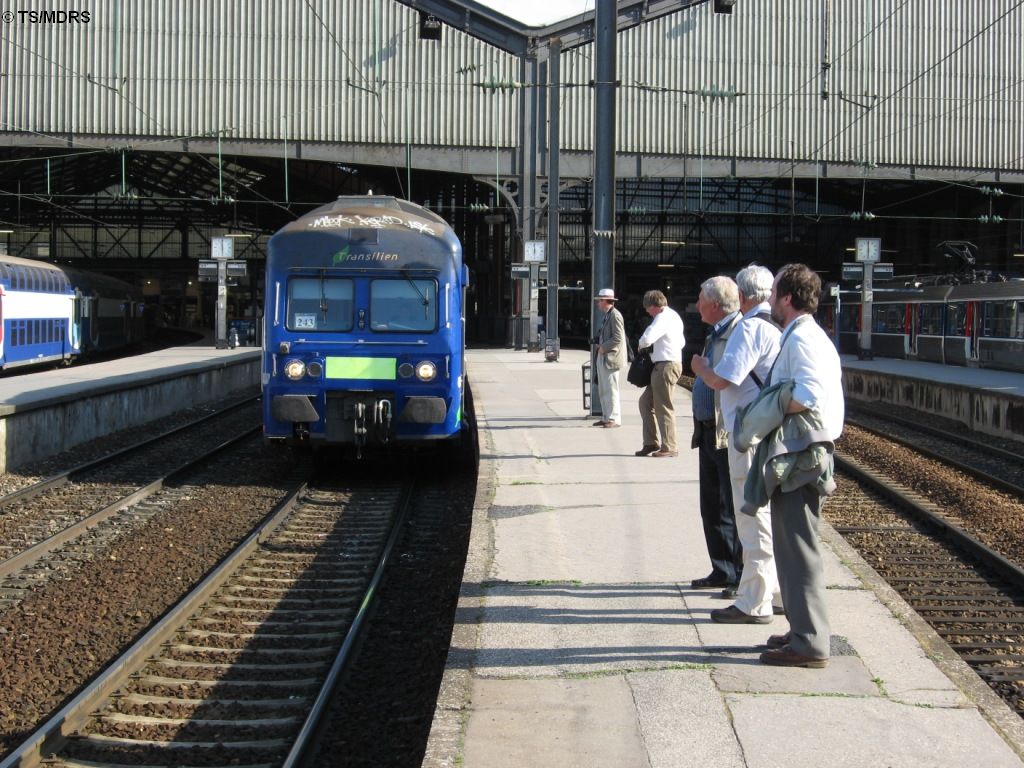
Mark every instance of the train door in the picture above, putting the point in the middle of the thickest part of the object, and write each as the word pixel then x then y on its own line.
pixel 75 331
pixel 913 323
pixel 974 323
pixel 126 320
pixel 957 340
pixel 3 358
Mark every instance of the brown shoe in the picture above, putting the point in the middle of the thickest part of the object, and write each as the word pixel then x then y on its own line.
pixel 786 657
pixel 647 450
pixel 663 454
pixel 610 425
pixel 778 641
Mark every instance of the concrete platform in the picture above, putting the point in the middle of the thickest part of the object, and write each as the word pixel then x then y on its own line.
pixel 578 641
pixel 983 399
pixel 51 411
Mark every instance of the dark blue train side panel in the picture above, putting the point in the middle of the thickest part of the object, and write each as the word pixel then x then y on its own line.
pixel 364 339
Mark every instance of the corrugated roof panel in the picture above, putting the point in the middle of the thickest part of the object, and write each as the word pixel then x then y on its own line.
pixel 921 84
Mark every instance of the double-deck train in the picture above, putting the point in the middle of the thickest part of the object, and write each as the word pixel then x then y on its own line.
pixel 55 315
pixel 364 326
pixel 979 323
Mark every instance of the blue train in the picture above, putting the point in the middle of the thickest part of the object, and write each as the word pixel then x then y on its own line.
pixel 364 339
pixel 55 315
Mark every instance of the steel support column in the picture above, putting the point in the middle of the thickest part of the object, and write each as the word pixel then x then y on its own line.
pixel 553 342
pixel 603 268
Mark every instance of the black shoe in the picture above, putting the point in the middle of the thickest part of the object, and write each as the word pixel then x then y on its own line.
pixel 647 450
pixel 778 610
pixel 708 582
pixel 733 615
pixel 778 641
pixel 600 423
pixel 730 592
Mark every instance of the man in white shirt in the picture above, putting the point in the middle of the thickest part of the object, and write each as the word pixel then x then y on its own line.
pixel 738 377
pixel 657 412
pixel 808 358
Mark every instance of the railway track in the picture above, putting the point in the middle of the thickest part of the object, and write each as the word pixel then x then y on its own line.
pixel 999 467
pixel 971 595
pixel 239 672
pixel 76 513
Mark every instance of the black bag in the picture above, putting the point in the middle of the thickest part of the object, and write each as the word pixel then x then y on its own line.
pixel 640 369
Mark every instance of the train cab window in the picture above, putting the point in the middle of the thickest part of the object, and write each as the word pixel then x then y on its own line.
pixel 956 319
pixel 1003 320
pixel 849 318
pixel 320 304
pixel 888 318
pixel 998 319
pixel 403 304
pixel 931 319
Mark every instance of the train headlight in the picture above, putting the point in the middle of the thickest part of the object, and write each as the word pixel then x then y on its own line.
pixel 315 369
pixel 295 369
pixel 426 371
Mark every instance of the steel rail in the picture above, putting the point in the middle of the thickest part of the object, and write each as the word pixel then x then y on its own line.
pixel 311 726
pixel 64 477
pixel 51 736
pixel 36 552
pixel 980 474
pixel 978 445
pixel 930 514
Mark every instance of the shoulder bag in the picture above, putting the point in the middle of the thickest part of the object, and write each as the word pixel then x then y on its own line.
pixel 640 369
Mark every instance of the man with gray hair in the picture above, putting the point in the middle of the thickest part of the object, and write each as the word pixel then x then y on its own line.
pixel 738 377
pixel 718 305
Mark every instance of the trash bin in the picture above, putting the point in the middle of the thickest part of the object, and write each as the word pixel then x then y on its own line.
pixel 586 386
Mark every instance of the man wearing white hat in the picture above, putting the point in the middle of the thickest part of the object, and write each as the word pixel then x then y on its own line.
pixel 611 357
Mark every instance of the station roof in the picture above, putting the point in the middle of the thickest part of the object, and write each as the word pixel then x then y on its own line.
pixel 519 26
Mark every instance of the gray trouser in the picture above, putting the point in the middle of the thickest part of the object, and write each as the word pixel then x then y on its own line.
pixel 657 413
pixel 608 391
pixel 795 518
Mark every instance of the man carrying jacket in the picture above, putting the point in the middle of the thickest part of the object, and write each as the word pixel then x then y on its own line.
pixel 809 367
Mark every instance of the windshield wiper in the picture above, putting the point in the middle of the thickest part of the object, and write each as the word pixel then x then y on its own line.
pixel 423 298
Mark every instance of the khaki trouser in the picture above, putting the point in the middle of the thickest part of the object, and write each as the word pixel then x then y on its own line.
pixel 657 413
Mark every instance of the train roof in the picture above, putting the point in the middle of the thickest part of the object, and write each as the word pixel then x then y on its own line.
pixel 366 232
pixel 17 261
pixel 378 212
pixel 103 285
pixel 87 282
pixel 1010 289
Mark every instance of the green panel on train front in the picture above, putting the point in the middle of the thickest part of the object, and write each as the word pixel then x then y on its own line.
pixel 378 368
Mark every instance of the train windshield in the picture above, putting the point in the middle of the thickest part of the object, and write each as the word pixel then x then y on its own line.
pixel 403 305
pixel 320 304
